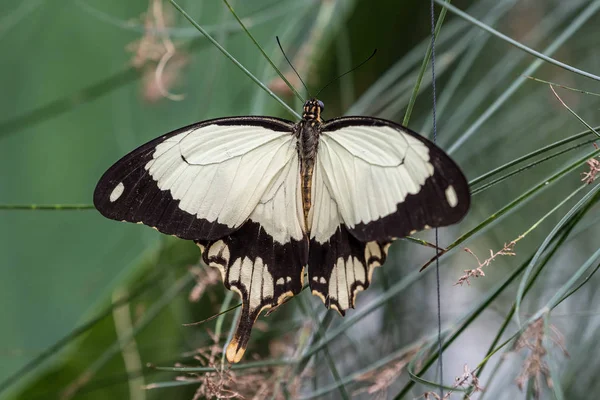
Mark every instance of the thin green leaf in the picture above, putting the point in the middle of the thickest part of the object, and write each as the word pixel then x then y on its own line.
pixel 573 112
pixel 580 204
pixel 586 14
pixel 292 88
pixel 562 86
pixel 75 333
pixel 535 153
pixel 47 207
pixel 424 64
pixel 140 324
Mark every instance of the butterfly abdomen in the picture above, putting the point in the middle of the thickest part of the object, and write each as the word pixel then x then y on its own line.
pixel 308 143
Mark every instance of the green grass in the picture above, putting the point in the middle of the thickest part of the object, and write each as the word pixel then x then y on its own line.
pixel 73 104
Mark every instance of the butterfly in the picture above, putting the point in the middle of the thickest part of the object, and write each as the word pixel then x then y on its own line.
pixel 267 199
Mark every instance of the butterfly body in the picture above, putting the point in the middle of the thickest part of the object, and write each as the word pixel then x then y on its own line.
pixel 267 200
pixel 307 133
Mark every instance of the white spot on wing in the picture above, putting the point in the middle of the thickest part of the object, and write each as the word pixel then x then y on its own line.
pixel 254 277
pixel 451 196
pixel 280 281
pixel 234 271
pixel 117 192
pixel 267 281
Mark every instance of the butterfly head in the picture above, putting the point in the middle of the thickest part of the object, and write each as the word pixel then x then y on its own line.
pixel 312 110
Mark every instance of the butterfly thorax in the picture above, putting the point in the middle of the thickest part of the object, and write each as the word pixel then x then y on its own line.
pixel 307 134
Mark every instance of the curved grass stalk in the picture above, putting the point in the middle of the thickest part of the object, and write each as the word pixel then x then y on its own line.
pixel 47 207
pixel 292 88
pixel 234 60
pixel 424 64
pixel 583 17
pixel 75 333
pixel 523 284
pixel 452 30
pixel 531 155
pixel 565 290
pixel 528 166
pixel 140 324
pixel 260 17
pixel 559 241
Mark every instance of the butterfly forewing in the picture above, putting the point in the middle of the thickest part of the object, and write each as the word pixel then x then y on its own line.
pixel 199 182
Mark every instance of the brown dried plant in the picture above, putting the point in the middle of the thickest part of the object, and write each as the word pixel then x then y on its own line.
pixel 205 277
pixel 381 379
pixel 224 383
pixel 507 250
pixel 468 380
pixel 156 55
pixel 592 174
pixel 535 366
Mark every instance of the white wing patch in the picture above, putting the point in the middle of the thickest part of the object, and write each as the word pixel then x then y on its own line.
pixel 279 211
pixel 254 277
pixel 369 170
pixel 347 278
pixel 324 215
pixel 117 192
pixel 451 196
pixel 225 173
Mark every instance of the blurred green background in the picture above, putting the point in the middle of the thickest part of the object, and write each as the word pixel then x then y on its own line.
pixel 79 90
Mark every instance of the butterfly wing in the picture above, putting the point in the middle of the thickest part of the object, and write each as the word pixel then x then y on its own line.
pixel 198 182
pixel 231 185
pixel 376 181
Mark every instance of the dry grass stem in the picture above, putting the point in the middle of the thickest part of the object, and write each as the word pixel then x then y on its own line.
pixel 507 250
pixel 381 379
pixel 205 278
pixel 592 174
pixel 223 383
pixel 467 380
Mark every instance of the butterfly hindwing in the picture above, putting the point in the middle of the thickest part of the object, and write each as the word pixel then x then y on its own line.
pixel 262 271
pixel 342 266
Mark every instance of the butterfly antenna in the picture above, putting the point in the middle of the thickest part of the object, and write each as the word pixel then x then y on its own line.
pixel 346 73
pixel 290 63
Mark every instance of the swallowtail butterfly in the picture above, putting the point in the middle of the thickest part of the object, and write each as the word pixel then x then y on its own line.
pixel 267 199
